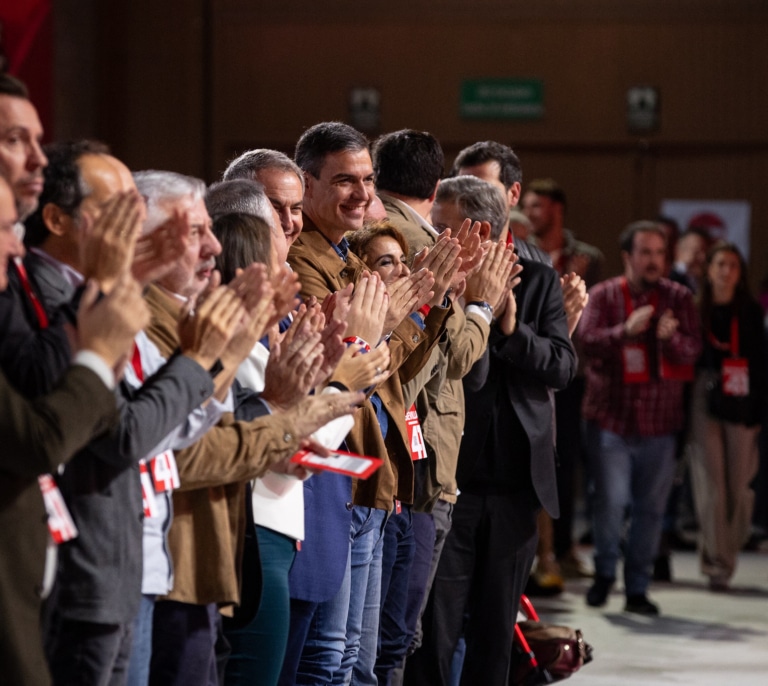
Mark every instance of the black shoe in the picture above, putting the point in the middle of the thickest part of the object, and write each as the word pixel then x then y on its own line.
pixel 662 569
pixel 639 604
pixel 597 595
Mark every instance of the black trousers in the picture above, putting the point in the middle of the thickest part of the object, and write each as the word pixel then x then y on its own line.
pixel 184 638
pixel 482 572
pixel 90 653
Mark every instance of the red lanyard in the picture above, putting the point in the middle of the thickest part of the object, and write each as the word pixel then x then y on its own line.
pixel 42 317
pixel 733 344
pixel 629 307
pixel 136 363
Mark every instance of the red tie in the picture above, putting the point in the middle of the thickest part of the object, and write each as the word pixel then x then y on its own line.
pixel 42 317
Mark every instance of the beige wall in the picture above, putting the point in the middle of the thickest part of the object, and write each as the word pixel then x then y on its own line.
pixel 185 84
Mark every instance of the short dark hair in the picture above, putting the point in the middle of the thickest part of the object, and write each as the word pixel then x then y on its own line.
pixel 627 237
pixel 408 162
pixel 10 85
pixel 245 239
pixel 510 170
pixel 477 200
pixel 324 139
pixel 63 184
pixel 549 188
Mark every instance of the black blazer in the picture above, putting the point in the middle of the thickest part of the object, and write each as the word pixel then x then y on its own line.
pixel 537 357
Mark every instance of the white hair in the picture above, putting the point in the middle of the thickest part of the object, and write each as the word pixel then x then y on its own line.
pixel 160 189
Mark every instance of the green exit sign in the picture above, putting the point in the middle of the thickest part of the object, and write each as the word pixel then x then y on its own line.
pixel 502 99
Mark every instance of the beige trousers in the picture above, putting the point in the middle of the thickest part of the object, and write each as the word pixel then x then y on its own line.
pixel 724 460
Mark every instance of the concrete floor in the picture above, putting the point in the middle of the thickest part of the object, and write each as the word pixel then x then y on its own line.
pixel 700 639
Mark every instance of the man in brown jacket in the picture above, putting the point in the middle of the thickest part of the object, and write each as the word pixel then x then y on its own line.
pixel 338 175
pixel 206 537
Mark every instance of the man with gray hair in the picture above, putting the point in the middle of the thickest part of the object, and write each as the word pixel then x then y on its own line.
pixel 247 197
pixel 506 465
pixel 215 469
pixel 469 196
pixel 283 182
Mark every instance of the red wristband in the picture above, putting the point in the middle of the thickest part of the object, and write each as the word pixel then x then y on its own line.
pixel 352 340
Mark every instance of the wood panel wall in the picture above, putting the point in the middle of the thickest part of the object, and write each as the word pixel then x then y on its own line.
pixel 186 84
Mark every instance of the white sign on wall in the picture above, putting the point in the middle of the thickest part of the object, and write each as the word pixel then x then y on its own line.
pixel 722 219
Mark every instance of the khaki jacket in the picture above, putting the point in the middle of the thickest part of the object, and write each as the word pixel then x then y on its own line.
pixel 321 271
pixel 439 395
pixel 206 537
pixel 416 235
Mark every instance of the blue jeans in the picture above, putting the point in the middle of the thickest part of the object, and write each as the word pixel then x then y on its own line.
pixel 398 550
pixel 141 650
pixel 316 638
pixel 632 476
pixel 366 532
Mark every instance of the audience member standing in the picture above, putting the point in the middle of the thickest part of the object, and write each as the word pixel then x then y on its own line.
pixel 506 473
pixel 727 408
pixel 640 336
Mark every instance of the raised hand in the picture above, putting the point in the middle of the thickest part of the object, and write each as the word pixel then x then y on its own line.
pixel 472 248
pixel 574 299
pixel 249 284
pixel 358 371
pixel 156 253
pixel 667 326
pixel 444 262
pixel 286 287
pixel 108 326
pixel 332 338
pixel 315 411
pixel 639 321
pixel 368 308
pixel 488 282
pixel 291 370
pixel 107 246
pixel 507 317
pixel 254 325
pixel 336 305
pixel 205 331
pixel 407 295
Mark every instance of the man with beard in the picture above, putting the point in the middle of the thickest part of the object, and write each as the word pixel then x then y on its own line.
pixel 640 336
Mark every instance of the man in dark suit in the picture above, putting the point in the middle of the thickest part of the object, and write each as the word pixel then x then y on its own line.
pixel 40 435
pixel 506 473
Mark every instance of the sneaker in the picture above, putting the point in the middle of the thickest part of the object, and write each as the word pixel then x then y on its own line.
pixel 639 604
pixel 597 595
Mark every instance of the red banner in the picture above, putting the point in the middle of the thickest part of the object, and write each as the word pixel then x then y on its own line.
pixel 26 46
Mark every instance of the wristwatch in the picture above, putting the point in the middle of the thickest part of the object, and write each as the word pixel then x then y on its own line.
pixel 482 304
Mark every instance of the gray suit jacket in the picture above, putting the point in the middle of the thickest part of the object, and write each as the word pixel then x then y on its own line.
pixel 99 573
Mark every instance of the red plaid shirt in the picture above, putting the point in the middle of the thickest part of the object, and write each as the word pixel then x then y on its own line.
pixel 652 408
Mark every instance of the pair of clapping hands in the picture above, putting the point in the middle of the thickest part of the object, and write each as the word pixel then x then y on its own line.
pixel 116 264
